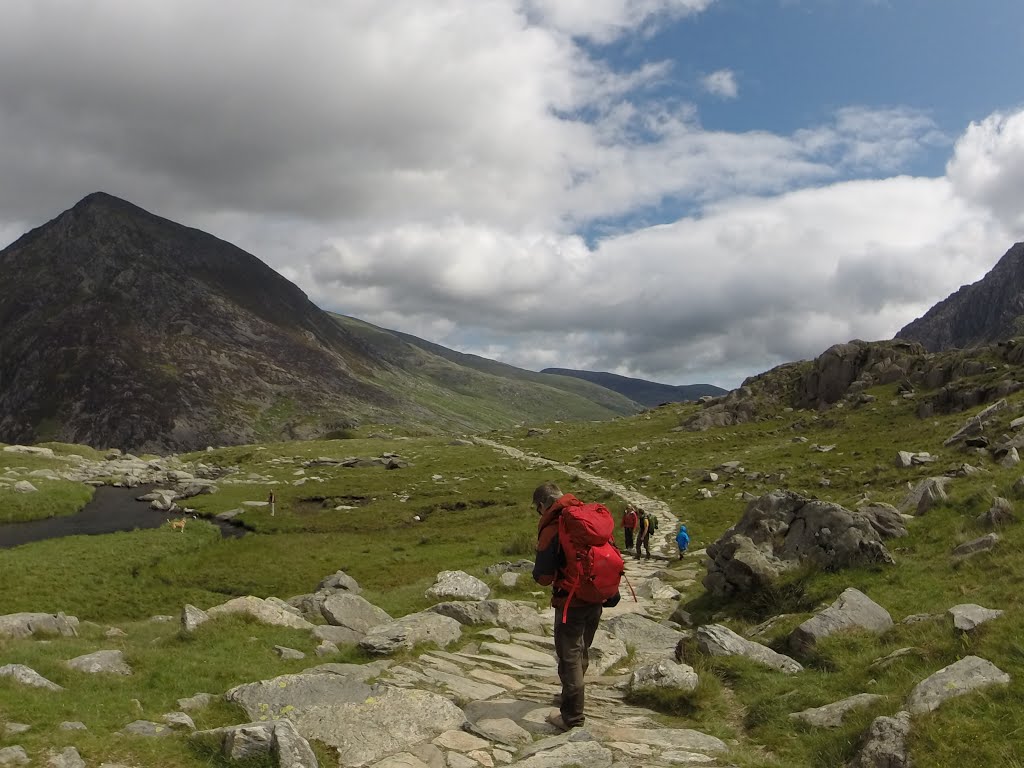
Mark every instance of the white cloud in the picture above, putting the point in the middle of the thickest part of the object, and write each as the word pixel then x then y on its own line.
pixel 721 83
pixel 438 167
pixel 987 167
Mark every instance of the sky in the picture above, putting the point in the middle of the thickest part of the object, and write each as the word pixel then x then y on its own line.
pixel 687 191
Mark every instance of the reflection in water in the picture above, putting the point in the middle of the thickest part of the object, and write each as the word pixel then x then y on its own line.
pixel 111 510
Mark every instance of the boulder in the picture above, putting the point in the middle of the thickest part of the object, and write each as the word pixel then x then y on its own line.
pixel 279 739
pixel 968 674
pixel 664 674
pixel 192 618
pixel 261 610
pixel 781 530
pixel 924 494
pixel 458 585
pixel 832 715
pixel 29 624
pixel 101 662
pixel 852 610
pixel 353 612
pixel 976 546
pixel 606 651
pixel 423 627
pixel 885 744
pixel 27 676
pixel 514 615
pixel 716 640
pixel 968 616
pixel 648 639
pixel 13 755
pixel 339 582
pixel 998 515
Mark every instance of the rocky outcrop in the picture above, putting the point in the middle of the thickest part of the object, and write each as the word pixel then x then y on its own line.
pixel 781 530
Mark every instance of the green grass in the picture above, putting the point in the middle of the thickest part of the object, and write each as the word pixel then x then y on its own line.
pixel 473 505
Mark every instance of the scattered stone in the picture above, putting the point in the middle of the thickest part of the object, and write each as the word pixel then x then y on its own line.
pixel 146 728
pixel 179 721
pixel 15 729
pixel 976 424
pixel 22 625
pixel 423 627
pixel 339 581
pixel 73 725
pixel 885 743
pixel 66 758
pixel 261 610
pixel 288 654
pixel 716 640
pixel 998 515
pixel 353 611
pixel 968 674
pixel 934 488
pixel 901 653
pixel 28 676
pixel 664 674
pixel 192 618
pixel 24 486
pixel 458 585
pixel 13 755
pixel 199 701
pixel 982 544
pixel 852 610
pixel 832 715
pixel 101 662
pixel 513 615
pixel 968 616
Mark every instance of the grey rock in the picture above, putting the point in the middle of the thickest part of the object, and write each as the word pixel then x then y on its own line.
pixel 288 654
pixel 288 694
pixel 976 424
pixel 606 651
pixel 28 676
pixel 199 701
pixel 261 610
pixel 31 624
pixel 179 721
pixel 503 730
pixel 885 744
pixel 423 627
pixel 340 582
pixel 249 741
pixel 998 515
pixel 781 530
pixel 24 486
pixel 968 616
pixel 146 728
pixel 664 674
pixel 101 662
pixel 192 618
pixel 326 648
pixel 968 674
pixel 832 715
pixel 660 738
pixel 513 615
pixel 644 635
pixel 509 580
pixel 505 566
pixel 337 635
pixel 73 725
pixel 975 546
pixel 933 487
pixel 15 729
pixel 291 749
pixel 352 611
pixel 458 585
pixel 852 610
pixel 66 758
pixel 716 640
pixel 13 756
pixel 588 753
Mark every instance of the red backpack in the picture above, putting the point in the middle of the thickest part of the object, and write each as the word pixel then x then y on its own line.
pixel 593 565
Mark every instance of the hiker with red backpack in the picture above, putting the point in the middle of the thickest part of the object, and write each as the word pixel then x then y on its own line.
pixel 629 520
pixel 577 556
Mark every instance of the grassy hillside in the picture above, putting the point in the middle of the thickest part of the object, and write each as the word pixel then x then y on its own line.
pixel 474 511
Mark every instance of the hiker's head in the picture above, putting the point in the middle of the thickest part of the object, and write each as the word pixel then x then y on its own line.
pixel 546 495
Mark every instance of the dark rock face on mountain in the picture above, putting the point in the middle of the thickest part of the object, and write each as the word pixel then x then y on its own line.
pixel 989 310
pixel 120 328
pixel 648 393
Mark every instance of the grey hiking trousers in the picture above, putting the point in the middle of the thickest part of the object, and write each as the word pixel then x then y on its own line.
pixel 572 647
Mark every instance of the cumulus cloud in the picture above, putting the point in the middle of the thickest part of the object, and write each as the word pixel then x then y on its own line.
pixel 987 167
pixel 721 83
pixel 445 168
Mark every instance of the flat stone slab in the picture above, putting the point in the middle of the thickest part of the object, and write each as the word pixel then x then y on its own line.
pixel 519 653
pixel 832 715
pixel 968 616
pixel 101 662
pixel 962 677
pixel 716 640
pixel 28 676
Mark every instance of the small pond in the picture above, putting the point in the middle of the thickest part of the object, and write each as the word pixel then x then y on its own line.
pixel 111 510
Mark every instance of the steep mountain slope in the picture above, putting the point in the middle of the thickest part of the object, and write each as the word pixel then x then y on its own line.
pixel 991 309
pixel 649 393
pixel 121 328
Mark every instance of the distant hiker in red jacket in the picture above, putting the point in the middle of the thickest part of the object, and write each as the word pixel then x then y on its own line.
pixel 577 596
pixel 629 520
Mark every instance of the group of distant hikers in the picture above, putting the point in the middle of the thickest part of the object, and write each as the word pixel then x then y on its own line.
pixel 638 525
pixel 577 556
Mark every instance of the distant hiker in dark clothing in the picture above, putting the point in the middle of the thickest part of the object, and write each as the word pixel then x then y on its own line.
pixel 643 534
pixel 629 520
pixel 577 556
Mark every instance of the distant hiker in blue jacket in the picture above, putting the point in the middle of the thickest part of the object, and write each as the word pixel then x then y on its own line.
pixel 682 540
